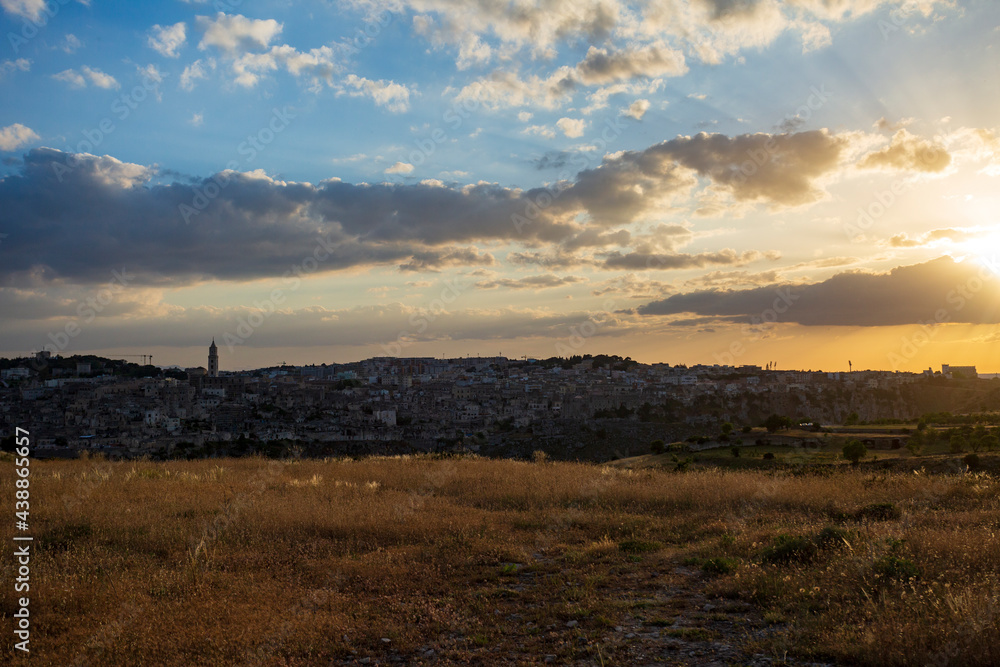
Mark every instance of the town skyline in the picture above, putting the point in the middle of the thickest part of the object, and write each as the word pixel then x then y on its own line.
pixel 214 367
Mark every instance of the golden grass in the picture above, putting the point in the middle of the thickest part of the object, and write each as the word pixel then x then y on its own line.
pixel 251 561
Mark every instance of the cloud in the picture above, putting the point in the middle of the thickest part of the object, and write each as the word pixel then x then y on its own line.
pixel 884 125
pixel 15 136
pixel 637 109
pixel 196 120
pixel 194 72
pixel 730 279
pixel 781 170
pixel 70 43
pixel 95 76
pixel 400 168
pixel 29 9
pixel 72 77
pixel 235 34
pixel 437 259
pixel 245 44
pixel 540 130
pixel 8 66
pixel 934 237
pixel 99 78
pixel 318 65
pixel 357 157
pixel 393 96
pixel 598 99
pixel 583 220
pixel 633 286
pixel 254 227
pixel 600 66
pixel 539 282
pixel 572 127
pixel 166 40
pixel 673 261
pixel 504 89
pixel 941 290
pixel 907 152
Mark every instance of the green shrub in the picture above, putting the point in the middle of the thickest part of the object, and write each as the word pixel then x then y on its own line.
pixel 878 512
pixel 972 460
pixel 893 567
pixel 657 446
pixel 790 548
pixel 639 546
pixel 831 536
pixel 719 565
pixel 854 451
pixel 735 451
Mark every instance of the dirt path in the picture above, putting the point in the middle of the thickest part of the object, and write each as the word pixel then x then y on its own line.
pixel 666 619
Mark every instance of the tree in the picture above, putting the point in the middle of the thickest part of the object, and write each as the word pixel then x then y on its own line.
pixel 854 451
pixel 727 428
pixel 747 428
pixel 776 423
pixel 852 419
pixel 957 443
pixel 656 446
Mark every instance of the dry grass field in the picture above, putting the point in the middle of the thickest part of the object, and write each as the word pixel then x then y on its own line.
pixel 474 561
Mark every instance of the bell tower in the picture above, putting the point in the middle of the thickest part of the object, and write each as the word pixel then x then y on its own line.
pixel 213 360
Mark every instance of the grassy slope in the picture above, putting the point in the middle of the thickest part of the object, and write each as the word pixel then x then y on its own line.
pixel 264 562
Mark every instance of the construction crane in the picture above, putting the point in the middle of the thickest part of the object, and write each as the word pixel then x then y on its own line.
pixel 144 357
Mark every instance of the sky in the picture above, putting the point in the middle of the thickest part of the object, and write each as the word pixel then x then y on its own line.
pixel 809 183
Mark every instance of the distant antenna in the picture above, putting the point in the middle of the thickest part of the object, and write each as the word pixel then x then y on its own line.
pixel 850 367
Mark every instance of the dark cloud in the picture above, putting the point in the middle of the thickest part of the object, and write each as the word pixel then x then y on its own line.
pixel 727 9
pixel 668 261
pixel 435 260
pixel 545 281
pixel 552 160
pixel 603 67
pixel 76 217
pixel 938 291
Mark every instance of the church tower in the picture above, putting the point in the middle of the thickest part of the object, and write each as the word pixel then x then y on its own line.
pixel 213 360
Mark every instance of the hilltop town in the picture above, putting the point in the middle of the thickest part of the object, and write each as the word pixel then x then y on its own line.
pixel 586 407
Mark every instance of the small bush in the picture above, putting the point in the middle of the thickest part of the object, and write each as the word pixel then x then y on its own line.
pixel 893 567
pixel 538 456
pixel 683 464
pixel 831 536
pixel 768 456
pixel 790 548
pixel 657 446
pixel 878 512
pixel 735 451
pixel 972 460
pixel 854 451
pixel 719 565
pixel 639 546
